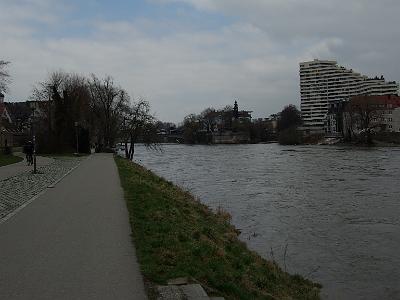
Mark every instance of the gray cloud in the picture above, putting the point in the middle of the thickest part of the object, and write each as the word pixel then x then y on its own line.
pixel 366 28
pixel 254 59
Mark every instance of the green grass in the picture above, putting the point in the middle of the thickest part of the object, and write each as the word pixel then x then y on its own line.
pixel 9 159
pixel 177 236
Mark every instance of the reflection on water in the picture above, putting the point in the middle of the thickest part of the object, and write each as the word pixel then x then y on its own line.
pixel 337 210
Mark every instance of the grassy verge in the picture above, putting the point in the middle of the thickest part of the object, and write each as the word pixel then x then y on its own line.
pixel 9 159
pixel 177 236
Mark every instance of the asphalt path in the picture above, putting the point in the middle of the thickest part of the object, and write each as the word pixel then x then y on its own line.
pixel 73 241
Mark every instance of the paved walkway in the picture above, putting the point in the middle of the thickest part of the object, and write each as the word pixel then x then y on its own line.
pixel 73 242
pixel 17 190
pixel 22 167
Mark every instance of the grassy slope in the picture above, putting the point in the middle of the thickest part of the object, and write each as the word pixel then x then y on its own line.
pixel 9 159
pixel 176 236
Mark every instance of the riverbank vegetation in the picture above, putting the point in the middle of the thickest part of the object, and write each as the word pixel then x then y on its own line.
pixel 177 236
pixel 9 159
pixel 227 125
pixel 289 121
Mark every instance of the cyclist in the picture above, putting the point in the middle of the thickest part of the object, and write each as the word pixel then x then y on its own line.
pixel 28 149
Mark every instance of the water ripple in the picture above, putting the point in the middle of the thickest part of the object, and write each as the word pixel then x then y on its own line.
pixel 336 209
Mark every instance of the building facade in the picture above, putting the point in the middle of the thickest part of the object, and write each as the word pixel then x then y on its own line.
pixel 372 113
pixel 6 137
pixel 334 119
pixel 4 115
pixel 395 120
pixel 323 82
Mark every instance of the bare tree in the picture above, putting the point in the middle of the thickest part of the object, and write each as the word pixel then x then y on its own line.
pixel 191 125
pixel 362 115
pixel 208 118
pixel 4 76
pixel 97 109
pixel 43 91
pixel 108 102
pixel 139 125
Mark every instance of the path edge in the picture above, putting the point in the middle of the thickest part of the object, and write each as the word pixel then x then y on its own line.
pixel 10 215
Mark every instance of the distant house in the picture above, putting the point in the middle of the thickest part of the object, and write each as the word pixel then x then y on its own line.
pixel 224 126
pixel 229 129
pixel 6 135
pixel 20 114
pixel 379 113
pixel 375 113
pixel 244 115
pixel 334 118
pixel 395 120
pixel 40 108
pixel 225 119
pixel 4 115
pixel 15 122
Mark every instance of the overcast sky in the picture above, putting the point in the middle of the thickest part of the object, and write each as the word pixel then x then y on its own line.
pixel 186 55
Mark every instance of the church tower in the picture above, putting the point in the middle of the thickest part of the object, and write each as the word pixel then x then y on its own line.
pixel 235 111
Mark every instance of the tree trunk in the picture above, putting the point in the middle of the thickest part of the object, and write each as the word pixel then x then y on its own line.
pixel 131 149
pixel 126 149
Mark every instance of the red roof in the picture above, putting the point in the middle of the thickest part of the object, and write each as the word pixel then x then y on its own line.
pixel 2 108
pixel 387 100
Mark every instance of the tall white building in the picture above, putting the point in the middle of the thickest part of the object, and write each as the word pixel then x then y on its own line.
pixel 324 81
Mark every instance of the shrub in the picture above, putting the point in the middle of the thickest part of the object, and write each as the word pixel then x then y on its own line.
pixel 290 136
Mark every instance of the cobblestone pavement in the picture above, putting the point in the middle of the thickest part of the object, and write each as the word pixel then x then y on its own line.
pixel 18 190
pixel 21 167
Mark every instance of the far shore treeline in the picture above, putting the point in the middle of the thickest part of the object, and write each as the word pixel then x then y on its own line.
pixel 97 113
pixel 70 112
pixel 230 125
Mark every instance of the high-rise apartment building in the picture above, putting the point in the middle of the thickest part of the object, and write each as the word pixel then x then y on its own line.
pixel 324 81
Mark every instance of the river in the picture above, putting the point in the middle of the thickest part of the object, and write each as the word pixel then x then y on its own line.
pixel 331 214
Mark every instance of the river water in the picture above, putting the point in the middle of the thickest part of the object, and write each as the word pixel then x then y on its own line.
pixel 331 214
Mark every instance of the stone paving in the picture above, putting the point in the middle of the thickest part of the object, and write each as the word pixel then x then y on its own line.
pixel 22 167
pixel 17 190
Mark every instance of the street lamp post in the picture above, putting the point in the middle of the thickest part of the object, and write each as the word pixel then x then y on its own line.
pixel 2 133
pixel 34 141
pixel 77 138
